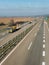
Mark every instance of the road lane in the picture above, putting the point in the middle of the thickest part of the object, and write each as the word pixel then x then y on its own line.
pixel 19 56
pixel 47 45
pixel 35 55
pixel 6 33
pixel 12 35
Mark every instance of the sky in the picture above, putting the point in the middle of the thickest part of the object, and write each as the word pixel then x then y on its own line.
pixel 24 7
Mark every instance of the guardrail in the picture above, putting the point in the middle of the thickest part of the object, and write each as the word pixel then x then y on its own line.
pixel 6 48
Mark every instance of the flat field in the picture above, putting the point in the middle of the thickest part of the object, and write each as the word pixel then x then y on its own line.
pixel 16 19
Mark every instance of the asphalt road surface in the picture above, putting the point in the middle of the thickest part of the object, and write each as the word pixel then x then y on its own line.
pixel 46 44
pixel 9 36
pixel 32 50
pixel 5 34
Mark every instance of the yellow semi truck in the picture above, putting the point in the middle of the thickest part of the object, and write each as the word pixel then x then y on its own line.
pixel 13 28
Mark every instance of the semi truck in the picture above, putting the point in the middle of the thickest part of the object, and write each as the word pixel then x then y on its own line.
pixel 13 28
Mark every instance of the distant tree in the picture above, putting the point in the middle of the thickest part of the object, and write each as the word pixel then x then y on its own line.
pixel 1 24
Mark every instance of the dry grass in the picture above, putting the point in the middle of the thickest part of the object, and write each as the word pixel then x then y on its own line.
pixel 16 19
pixel 7 20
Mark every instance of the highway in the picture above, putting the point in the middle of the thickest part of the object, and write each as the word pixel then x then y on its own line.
pixel 6 33
pixel 10 36
pixel 47 44
pixel 33 49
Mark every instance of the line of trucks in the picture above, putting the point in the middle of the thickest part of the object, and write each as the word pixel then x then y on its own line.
pixel 17 26
pixel 13 28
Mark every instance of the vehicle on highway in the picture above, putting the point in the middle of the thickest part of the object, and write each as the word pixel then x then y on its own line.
pixel 16 26
pixel 13 28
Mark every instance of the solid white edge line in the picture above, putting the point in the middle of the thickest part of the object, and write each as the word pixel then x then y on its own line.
pixel 47 26
pixel 48 29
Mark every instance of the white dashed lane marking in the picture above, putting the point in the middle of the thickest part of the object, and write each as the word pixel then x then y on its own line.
pixel 44 34
pixel 43 63
pixel 43 53
pixel 30 46
pixel 43 45
pixel 44 41
pixel 43 37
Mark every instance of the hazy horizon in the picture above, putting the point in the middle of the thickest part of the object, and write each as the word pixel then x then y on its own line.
pixel 24 7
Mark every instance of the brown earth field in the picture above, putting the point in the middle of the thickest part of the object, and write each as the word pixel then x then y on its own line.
pixel 16 19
